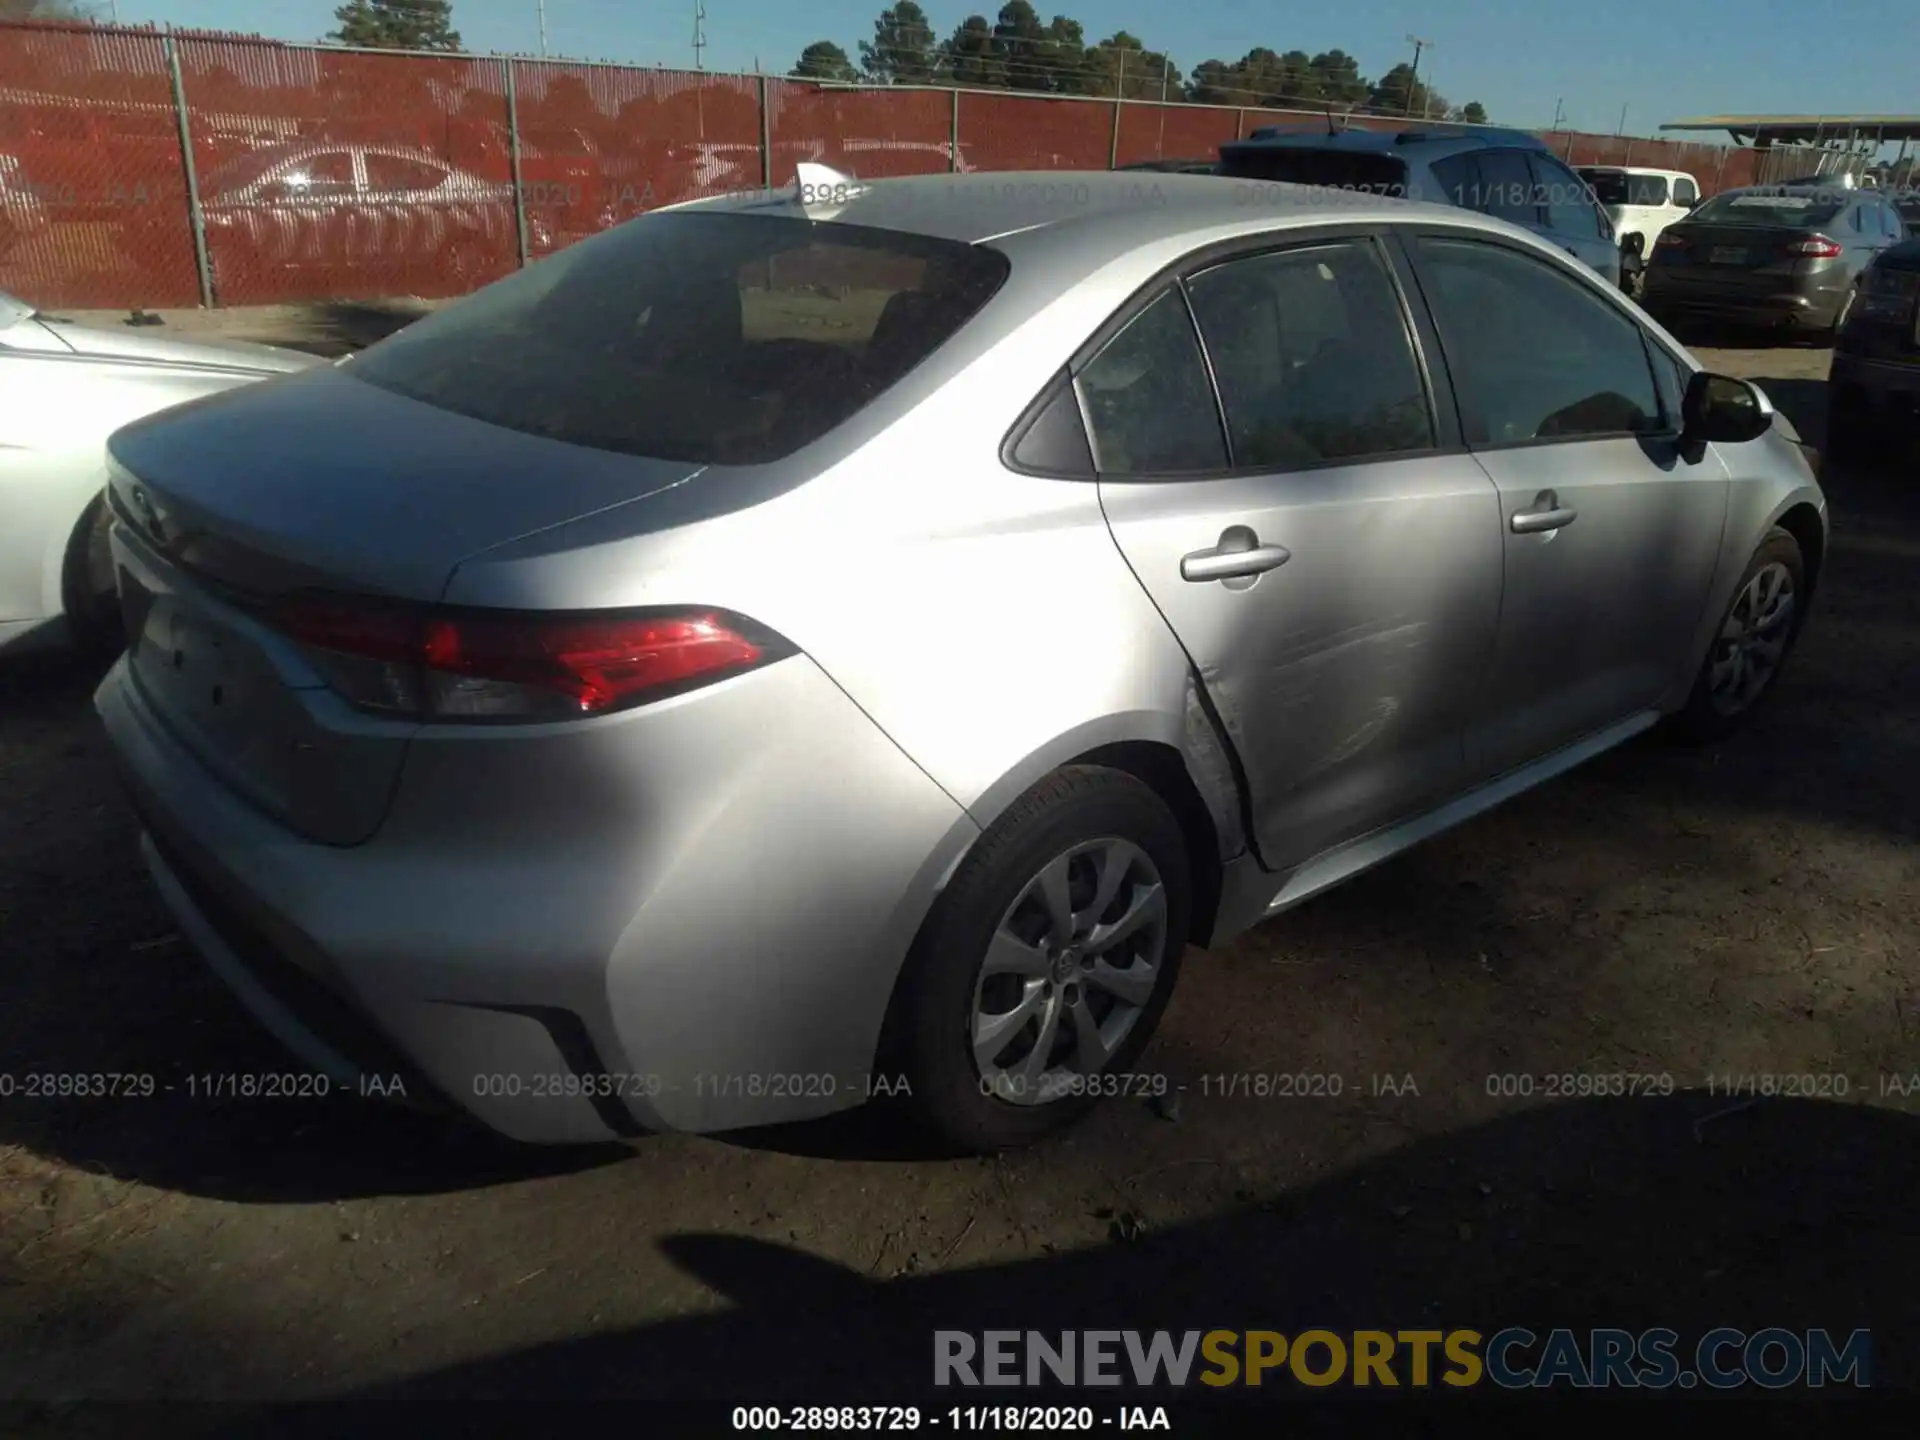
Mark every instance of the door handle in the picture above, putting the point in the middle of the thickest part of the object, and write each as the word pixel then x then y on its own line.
pixel 1547 515
pixel 1239 555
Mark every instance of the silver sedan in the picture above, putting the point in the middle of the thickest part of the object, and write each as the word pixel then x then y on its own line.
pixel 63 389
pixel 850 642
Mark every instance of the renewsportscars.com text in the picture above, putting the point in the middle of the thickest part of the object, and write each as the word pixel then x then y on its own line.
pixel 1512 1358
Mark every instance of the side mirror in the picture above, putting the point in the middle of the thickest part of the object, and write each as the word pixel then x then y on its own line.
pixel 1723 410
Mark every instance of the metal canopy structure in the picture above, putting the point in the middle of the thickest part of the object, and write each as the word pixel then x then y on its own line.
pixel 1798 146
pixel 1834 130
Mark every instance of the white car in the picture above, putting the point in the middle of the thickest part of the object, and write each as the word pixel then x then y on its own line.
pixel 64 388
pixel 1641 202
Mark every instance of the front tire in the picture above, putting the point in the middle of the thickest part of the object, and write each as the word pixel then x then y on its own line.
pixel 1045 965
pixel 1751 646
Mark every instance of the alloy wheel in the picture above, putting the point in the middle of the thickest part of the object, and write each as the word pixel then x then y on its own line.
pixel 1753 641
pixel 1071 967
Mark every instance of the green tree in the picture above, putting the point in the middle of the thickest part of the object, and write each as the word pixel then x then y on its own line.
pixel 1472 113
pixel 1337 79
pixel 969 56
pixel 397 24
pixel 824 60
pixel 1398 92
pixel 1121 65
pixel 902 49
pixel 1050 58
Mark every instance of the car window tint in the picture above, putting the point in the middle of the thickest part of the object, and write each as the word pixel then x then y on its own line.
pixel 1311 354
pixel 1507 187
pixel 328 173
pixel 1568 203
pixel 724 339
pixel 1685 191
pixel 1147 400
pixel 1535 354
pixel 1459 179
pixel 1333 169
pixel 1647 190
pixel 399 172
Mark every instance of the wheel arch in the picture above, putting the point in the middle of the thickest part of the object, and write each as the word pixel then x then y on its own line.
pixel 1802 521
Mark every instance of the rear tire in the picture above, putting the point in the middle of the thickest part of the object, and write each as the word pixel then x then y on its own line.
pixel 1751 644
pixel 989 981
pixel 87 590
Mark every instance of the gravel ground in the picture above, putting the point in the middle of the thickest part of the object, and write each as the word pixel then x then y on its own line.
pixel 1752 908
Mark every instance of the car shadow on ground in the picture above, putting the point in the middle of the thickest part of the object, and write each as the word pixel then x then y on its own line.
pixel 1690 1213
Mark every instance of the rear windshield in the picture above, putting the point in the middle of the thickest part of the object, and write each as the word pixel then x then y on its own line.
pixel 1616 187
pixel 1362 170
pixel 1798 212
pixel 725 339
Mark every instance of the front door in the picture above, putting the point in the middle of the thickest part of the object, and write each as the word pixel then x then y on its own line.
pixel 1609 535
pixel 1333 577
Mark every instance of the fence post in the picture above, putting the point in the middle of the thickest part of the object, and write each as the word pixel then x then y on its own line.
pixel 766 138
pixel 202 264
pixel 513 159
pixel 1569 156
pixel 1113 147
pixel 1719 170
pixel 953 135
pixel 1239 124
pixel 1629 159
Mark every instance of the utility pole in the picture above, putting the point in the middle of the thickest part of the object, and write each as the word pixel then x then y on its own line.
pixel 699 34
pixel 1413 79
pixel 1558 113
pixel 541 7
pixel 1620 129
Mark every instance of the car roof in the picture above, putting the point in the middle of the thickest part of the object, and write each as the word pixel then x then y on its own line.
pixel 975 208
pixel 1429 141
pixel 1637 170
pixel 1083 220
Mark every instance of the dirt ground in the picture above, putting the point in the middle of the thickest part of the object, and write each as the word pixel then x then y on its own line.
pixel 1751 909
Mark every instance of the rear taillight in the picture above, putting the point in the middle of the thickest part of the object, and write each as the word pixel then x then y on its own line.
pixel 480 665
pixel 1814 247
pixel 1669 241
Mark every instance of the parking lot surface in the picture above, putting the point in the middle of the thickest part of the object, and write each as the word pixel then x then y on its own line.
pixel 1463 1020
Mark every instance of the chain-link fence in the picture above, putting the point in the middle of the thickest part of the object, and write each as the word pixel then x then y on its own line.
pixel 147 169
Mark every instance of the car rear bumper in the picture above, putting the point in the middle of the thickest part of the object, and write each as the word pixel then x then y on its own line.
pixel 1812 310
pixel 688 917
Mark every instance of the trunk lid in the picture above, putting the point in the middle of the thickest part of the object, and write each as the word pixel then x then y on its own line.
pixel 322 481
pixel 1733 257
pixel 315 482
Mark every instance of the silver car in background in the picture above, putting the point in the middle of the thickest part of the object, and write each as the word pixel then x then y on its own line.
pixel 63 389
pixel 791 649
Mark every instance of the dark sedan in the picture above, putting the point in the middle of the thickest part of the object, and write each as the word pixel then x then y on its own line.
pixel 1875 381
pixel 1775 256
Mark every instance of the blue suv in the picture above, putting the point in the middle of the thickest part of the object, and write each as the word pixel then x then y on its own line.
pixel 1508 174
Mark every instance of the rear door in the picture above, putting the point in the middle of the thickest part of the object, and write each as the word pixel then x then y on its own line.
pixel 1609 536
pixel 1332 563
pixel 1574 221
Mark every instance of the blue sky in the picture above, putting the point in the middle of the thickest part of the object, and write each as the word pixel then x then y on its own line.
pixel 1661 60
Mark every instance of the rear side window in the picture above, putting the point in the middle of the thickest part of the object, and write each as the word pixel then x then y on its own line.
pixel 1506 189
pixel 1565 198
pixel 1312 356
pixel 1362 170
pixel 726 339
pixel 1535 355
pixel 1646 190
pixel 1147 399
